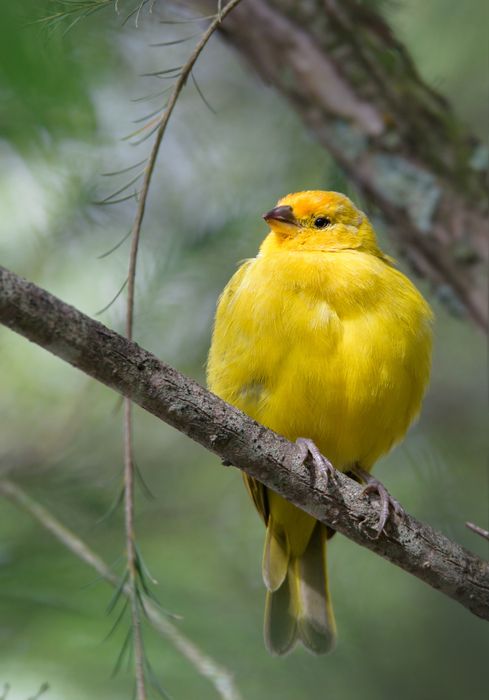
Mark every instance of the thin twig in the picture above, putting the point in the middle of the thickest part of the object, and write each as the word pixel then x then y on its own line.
pixel 206 666
pixel 131 552
pixel 128 445
pixel 478 530
pixel 150 166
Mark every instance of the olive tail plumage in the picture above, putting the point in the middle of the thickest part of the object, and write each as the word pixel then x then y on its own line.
pixel 298 605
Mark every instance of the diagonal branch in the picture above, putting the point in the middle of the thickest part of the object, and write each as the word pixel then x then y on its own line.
pixel 207 667
pixel 140 376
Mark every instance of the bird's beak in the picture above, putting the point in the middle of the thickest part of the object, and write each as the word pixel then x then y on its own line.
pixel 283 214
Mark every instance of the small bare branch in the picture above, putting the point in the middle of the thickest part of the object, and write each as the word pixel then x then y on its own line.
pixel 478 530
pixel 150 166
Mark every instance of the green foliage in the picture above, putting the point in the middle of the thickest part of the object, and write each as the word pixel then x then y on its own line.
pixel 44 86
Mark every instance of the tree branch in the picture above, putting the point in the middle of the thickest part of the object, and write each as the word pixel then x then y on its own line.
pixel 137 374
pixel 357 89
pixel 207 667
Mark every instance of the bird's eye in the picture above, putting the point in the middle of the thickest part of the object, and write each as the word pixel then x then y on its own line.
pixel 322 222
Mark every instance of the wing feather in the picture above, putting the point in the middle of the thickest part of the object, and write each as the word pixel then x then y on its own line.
pixel 258 494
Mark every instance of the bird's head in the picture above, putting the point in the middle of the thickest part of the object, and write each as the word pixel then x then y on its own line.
pixel 315 221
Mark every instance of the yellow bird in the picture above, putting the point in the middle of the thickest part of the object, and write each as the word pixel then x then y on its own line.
pixel 323 340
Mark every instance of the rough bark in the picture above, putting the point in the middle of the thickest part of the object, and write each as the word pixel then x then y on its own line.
pixel 137 374
pixel 357 89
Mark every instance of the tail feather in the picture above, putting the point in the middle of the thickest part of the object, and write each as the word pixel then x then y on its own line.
pixel 316 625
pixel 300 608
pixel 280 627
pixel 276 555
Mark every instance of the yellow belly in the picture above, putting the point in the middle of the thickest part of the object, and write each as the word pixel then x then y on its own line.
pixel 350 376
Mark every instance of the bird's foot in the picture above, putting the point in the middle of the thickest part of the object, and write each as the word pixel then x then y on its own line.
pixel 388 504
pixel 324 467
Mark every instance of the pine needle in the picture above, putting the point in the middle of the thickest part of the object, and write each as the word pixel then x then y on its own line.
pixel 112 301
pixel 114 248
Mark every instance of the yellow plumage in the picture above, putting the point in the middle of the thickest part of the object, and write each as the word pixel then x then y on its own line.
pixel 318 337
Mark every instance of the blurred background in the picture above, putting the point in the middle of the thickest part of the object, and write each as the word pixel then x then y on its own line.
pixel 68 100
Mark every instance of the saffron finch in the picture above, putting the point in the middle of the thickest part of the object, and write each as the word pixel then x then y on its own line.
pixel 320 338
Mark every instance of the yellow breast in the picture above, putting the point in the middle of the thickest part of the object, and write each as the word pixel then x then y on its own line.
pixel 332 346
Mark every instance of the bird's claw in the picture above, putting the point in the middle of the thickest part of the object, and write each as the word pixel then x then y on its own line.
pixel 388 504
pixel 324 467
